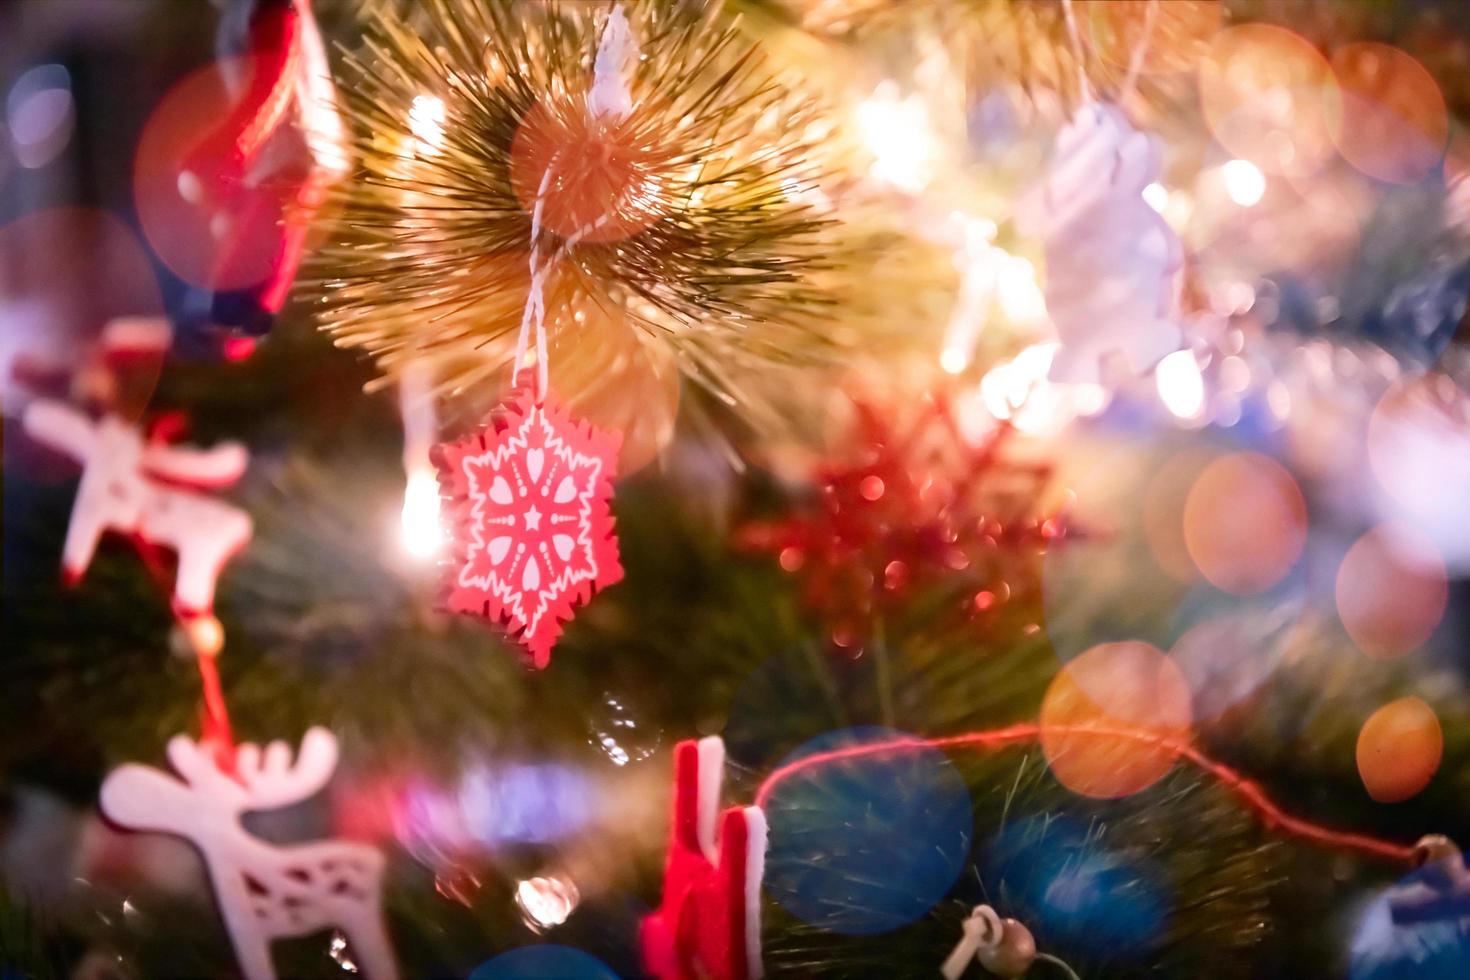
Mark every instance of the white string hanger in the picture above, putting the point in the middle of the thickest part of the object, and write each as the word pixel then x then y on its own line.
pixel 611 98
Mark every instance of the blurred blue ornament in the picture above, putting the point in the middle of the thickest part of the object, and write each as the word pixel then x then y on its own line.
pixel 1417 320
pixel 866 845
pixel 544 963
pixel 524 803
pixel 1384 948
pixel 1072 890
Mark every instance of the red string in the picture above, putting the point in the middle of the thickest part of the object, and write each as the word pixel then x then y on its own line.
pixel 1249 793
pixel 215 718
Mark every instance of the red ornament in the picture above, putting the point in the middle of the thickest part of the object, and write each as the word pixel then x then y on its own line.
pixel 708 924
pixel 529 519
pixel 916 505
pixel 263 172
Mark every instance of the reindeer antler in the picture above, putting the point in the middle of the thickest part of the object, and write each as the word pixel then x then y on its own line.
pixel 195 762
pixel 271 780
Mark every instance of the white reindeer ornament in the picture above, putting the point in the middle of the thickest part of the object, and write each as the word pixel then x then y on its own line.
pixel 264 891
pixel 1112 261
pixel 133 486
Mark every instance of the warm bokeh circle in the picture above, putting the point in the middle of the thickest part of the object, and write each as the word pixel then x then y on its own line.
pixel 1399 750
pixel 1130 687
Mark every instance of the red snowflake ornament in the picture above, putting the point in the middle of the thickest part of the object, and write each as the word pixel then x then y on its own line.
pixel 529 519
pixel 708 924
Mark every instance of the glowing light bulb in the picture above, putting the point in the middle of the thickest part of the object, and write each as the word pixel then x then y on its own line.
pixel 1020 297
pixel 953 360
pixel 426 122
pixel 546 902
pixel 421 534
pixel 1019 391
pixel 977 261
pixel 1156 197
pixel 897 132
pixel 1244 182
pixel 1181 386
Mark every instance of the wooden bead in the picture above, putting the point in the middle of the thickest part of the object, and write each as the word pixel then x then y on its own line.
pixel 1444 866
pixel 1433 848
pixel 1013 955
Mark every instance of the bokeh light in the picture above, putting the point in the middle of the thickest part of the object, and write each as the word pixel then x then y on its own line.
pixel 1228 657
pixel 1245 523
pixel 1419 452
pixel 193 219
pixel 419 527
pixel 1244 182
pixel 1180 384
pixel 1129 686
pixel 68 272
pixel 1163 512
pixel 546 902
pixel 867 845
pixel 898 134
pixel 1395 126
pixel 1091 584
pixel 426 122
pixel 630 386
pixel 1399 750
pixel 40 115
pixel 1019 391
pixel 1391 591
pixel 1269 97
pixel 543 962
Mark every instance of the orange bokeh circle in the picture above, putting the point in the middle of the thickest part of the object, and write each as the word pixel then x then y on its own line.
pixel 1269 96
pixel 1128 686
pixel 1163 510
pixel 1391 591
pixel 1245 523
pixel 1395 125
pixel 611 374
pixel 1399 750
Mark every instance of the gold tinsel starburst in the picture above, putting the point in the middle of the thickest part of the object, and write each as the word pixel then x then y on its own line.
pixel 467 112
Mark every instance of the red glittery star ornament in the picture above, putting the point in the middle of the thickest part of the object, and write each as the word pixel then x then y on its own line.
pixel 913 503
pixel 527 510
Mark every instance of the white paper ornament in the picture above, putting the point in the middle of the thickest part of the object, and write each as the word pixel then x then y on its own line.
pixel 1112 262
pixel 135 487
pixel 264 891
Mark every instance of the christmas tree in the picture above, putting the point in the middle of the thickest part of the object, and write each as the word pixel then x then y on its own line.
pixel 682 488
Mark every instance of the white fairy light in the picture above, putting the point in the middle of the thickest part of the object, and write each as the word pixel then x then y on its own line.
pixel 953 360
pixel 1244 182
pixel 426 117
pixel 1181 386
pixel 1016 288
pixel 898 133
pixel 977 262
pixel 546 902
pixel 422 536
